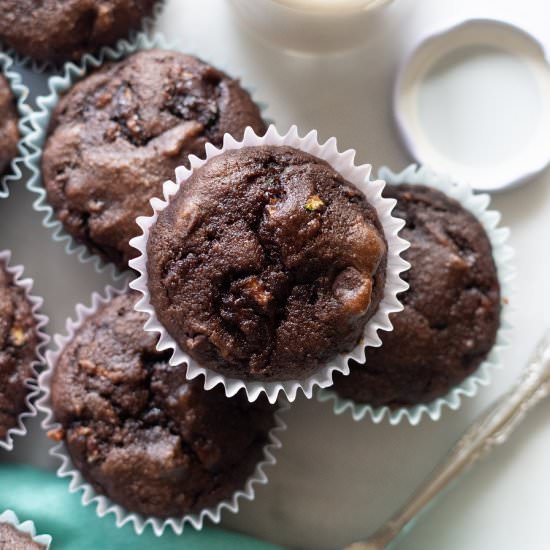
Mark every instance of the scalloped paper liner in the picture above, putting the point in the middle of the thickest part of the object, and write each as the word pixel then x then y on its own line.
pixel 39 121
pixel 104 505
pixel 41 321
pixel 359 176
pixel 147 25
pixel 21 94
pixel 477 204
pixel 27 527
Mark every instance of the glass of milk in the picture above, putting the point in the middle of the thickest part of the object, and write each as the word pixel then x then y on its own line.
pixel 309 26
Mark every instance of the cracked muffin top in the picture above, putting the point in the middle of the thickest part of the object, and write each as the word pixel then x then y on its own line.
pixel 452 308
pixel 119 133
pixel 139 432
pixel 266 264
pixel 13 539
pixel 64 30
pixel 9 133
pixel 18 341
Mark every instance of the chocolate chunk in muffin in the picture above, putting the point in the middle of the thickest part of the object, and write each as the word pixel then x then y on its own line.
pixel 266 264
pixel 117 135
pixel 9 133
pixel 63 30
pixel 18 341
pixel 13 539
pixel 139 432
pixel 452 308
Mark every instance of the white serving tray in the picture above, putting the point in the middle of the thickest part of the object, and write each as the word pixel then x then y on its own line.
pixel 336 479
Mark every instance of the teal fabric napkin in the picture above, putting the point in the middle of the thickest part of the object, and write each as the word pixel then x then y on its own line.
pixel 43 498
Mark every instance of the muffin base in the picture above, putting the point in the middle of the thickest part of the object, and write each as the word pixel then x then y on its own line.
pixel 104 505
pixel 147 26
pixel 21 94
pixel 502 253
pixel 356 175
pixel 26 527
pixel 41 321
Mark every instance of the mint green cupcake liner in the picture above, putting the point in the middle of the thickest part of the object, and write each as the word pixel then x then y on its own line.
pixel 477 204
pixel 147 26
pixel 39 121
pixel 21 94
pixel 26 527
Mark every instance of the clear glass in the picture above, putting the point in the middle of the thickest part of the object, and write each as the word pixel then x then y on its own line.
pixel 330 6
pixel 310 26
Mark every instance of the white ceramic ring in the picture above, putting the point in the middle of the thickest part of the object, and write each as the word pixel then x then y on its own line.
pixel 529 157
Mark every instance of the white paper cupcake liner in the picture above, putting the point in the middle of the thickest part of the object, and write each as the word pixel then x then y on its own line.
pixel 477 204
pixel 40 119
pixel 104 505
pixel 27 527
pixel 147 26
pixel 21 94
pixel 359 176
pixel 41 321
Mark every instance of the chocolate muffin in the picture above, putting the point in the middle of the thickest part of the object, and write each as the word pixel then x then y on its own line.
pixel 117 135
pixel 18 341
pixel 139 432
pixel 266 264
pixel 13 539
pixel 9 133
pixel 452 308
pixel 62 30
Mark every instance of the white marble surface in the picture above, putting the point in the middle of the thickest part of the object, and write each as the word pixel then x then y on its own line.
pixel 336 479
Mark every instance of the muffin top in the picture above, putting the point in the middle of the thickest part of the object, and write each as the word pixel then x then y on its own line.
pixel 266 264
pixel 13 539
pixel 18 341
pixel 9 133
pixel 63 30
pixel 452 307
pixel 118 134
pixel 139 432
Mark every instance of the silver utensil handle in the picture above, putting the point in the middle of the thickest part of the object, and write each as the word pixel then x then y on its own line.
pixel 491 429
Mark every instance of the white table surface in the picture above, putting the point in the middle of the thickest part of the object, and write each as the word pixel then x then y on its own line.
pixel 336 480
